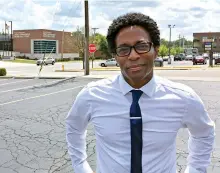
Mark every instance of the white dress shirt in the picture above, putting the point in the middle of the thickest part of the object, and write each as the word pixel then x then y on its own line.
pixel 166 107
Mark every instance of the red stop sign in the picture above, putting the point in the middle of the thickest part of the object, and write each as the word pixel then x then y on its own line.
pixel 92 48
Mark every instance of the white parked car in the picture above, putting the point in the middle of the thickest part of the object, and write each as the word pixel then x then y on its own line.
pixel 109 62
pixel 46 61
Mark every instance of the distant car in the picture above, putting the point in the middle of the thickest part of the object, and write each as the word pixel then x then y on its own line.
pixel 199 60
pixel 46 61
pixel 216 55
pixel 165 58
pixel 205 55
pixel 189 57
pixel 179 57
pixel 158 62
pixel 216 58
pixel 109 62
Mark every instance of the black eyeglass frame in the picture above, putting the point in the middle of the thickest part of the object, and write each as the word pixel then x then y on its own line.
pixel 134 47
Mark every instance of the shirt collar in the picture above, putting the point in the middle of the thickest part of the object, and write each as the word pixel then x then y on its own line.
pixel 149 88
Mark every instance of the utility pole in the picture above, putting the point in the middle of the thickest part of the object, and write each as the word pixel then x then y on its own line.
pixel 3 33
pixel 170 26
pixel 93 55
pixel 94 30
pixel 5 40
pixel 8 41
pixel 179 41
pixel 11 39
pixel 183 42
pixel 62 45
pixel 86 49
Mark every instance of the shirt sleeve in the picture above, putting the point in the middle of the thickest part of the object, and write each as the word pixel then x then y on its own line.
pixel 201 135
pixel 76 128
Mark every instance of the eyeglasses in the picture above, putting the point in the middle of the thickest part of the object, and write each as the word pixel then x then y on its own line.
pixel 140 48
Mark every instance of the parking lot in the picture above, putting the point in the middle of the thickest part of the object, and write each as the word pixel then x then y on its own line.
pixel 32 127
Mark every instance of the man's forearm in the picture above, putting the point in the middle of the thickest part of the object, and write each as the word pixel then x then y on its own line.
pixel 76 124
pixel 77 151
pixel 200 150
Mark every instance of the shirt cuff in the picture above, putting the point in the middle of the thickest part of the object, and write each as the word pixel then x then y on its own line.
pixel 190 169
pixel 83 168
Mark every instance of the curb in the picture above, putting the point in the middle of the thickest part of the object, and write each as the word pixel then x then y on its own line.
pixel 112 69
pixel 47 85
pixel 33 77
pixel 155 68
pixel 49 77
pixel 69 70
pixel 117 69
pixel 6 77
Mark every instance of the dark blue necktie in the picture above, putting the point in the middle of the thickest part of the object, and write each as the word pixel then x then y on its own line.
pixel 136 133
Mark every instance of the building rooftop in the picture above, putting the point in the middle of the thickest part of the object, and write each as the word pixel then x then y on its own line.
pixel 39 30
pixel 206 33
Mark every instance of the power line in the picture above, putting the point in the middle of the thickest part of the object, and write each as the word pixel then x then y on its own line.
pixel 65 23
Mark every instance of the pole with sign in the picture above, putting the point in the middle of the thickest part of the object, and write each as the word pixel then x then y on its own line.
pixel 92 49
pixel 208 47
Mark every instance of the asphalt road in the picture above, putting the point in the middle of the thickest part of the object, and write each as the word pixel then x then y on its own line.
pixel 32 128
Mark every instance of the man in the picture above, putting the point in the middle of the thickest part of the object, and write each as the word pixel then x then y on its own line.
pixel 137 115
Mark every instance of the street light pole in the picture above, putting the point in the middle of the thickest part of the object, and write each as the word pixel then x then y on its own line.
pixel 11 39
pixel 170 26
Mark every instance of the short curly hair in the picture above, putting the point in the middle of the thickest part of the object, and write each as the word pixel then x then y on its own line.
pixel 131 19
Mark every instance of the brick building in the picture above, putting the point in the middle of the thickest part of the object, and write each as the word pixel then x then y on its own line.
pixel 34 43
pixel 198 39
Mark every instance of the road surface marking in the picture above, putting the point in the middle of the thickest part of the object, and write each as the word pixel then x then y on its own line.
pixel 16 89
pixel 43 95
pixel 16 82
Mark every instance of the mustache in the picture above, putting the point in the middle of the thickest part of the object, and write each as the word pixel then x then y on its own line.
pixel 135 65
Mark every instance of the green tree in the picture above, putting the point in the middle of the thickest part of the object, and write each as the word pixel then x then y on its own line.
pixel 98 37
pixel 178 50
pixel 79 42
pixel 163 50
pixel 102 45
pixel 188 43
pixel 173 51
pixel 164 42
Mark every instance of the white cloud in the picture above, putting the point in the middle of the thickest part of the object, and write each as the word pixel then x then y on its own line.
pixel 188 17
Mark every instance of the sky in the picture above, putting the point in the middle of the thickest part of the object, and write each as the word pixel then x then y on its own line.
pixel 188 16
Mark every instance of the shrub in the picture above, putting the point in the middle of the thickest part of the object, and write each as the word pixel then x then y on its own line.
pixel 63 60
pixel 3 72
pixel 23 57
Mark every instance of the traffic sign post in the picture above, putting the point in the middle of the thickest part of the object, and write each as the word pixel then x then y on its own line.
pixel 208 47
pixel 92 49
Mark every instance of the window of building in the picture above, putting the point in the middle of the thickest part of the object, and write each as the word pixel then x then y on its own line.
pixel 45 46
pixel 215 38
pixel 214 45
pixel 196 39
